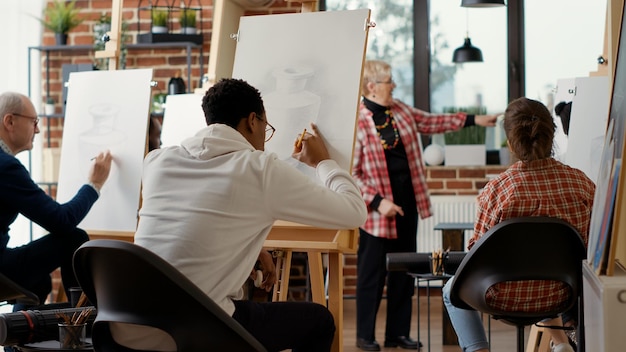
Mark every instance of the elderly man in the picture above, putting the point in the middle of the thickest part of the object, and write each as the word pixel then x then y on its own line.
pixel 30 265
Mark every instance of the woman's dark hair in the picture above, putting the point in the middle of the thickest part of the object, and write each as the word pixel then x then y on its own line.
pixel 529 129
pixel 230 100
pixel 564 110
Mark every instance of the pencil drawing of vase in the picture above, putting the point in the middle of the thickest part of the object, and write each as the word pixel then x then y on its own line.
pixel 290 108
pixel 102 135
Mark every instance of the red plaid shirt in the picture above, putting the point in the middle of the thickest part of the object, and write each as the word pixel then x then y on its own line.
pixel 537 188
pixel 369 167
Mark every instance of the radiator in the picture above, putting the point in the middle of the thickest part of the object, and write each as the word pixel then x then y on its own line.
pixel 445 209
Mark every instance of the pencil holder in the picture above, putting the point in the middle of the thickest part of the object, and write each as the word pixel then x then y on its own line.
pixel 438 263
pixel 72 337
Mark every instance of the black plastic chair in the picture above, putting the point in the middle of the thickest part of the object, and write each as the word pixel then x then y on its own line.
pixel 529 248
pixel 130 284
pixel 13 293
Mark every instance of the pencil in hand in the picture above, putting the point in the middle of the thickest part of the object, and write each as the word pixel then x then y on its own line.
pixel 299 144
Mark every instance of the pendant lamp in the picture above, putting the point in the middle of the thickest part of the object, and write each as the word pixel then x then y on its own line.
pixel 467 52
pixel 482 3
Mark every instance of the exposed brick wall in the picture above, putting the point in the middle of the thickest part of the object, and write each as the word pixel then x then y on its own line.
pixel 442 180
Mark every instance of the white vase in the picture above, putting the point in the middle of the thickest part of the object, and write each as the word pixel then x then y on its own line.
pixel 159 29
pixel 291 107
pixel 188 30
pixel 48 109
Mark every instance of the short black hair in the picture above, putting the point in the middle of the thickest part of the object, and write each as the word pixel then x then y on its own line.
pixel 230 100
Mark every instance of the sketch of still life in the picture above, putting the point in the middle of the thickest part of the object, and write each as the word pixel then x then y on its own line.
pixel 305 78
pixel 106 110
pixel 291 105
pixel 102 134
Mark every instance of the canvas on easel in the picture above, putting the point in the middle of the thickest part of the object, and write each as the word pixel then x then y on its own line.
pixel 106 110
pixel 308 68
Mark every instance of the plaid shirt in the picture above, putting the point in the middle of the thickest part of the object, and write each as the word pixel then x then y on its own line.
pixel 369 167
pixel 537 188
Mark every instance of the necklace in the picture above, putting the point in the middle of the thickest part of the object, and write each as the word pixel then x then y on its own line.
pixel 396 135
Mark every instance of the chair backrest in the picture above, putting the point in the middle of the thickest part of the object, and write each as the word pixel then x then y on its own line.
pixel 130 284
pixel 14 293
pixel 528 248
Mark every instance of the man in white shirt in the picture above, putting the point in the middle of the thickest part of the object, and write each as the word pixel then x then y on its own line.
pixel 209 204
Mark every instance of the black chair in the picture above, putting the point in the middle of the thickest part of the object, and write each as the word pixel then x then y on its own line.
pixel 130 284
pixel 13 293
pixel 529 248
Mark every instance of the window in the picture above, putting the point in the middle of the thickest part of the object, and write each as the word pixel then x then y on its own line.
pixel 391 40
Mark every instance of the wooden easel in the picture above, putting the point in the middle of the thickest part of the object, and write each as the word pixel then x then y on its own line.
pixel 286 237
pixel 113 44
pixel 111 51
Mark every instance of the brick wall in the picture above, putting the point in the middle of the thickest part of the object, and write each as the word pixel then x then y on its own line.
pixel 442 180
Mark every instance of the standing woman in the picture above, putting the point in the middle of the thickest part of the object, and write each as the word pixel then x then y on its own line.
pixel 389 170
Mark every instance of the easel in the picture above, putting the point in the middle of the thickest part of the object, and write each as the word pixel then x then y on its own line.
pixel 112 52
pixel 286 237
pixel 114 37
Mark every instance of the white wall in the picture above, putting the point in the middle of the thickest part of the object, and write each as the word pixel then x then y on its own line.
pixel 20 29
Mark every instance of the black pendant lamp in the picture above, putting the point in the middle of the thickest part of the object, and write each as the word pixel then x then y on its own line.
pixel 467 53
pixel 482 3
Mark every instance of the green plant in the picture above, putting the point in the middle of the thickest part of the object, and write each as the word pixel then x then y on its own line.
pixel 49 100
pixel 468 135
pixel 61 16
pixel 187 18
pixel 159 18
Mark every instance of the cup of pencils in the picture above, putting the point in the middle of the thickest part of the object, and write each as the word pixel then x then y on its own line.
pixel 72 330
pixel 437 261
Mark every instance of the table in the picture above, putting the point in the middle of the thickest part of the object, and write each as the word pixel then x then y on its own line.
pixel 426 278
pixel 51 345
pixel 452 238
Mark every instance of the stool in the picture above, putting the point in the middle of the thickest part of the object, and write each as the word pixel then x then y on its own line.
pixel 538 339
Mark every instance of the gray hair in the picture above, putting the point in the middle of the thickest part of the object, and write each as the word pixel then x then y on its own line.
pixel 11 102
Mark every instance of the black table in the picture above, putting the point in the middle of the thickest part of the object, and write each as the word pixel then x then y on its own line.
pixel 51 345
pixel 426 278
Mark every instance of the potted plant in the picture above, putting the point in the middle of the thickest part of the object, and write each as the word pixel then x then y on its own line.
pixel 159 21
pixel 49 106
pixel 187 20
pixel 466 147
pixel 61 17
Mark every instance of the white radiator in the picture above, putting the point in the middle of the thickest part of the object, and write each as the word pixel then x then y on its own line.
pixel 445 209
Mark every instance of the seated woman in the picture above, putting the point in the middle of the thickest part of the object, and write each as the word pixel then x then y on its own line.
pixel 536 185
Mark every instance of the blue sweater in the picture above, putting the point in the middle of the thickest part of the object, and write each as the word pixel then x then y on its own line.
pixel 20 195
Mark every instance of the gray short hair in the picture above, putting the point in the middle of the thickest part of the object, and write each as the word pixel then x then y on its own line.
pixel 11 102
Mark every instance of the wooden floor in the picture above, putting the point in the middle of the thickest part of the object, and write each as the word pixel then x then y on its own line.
pixel 503 336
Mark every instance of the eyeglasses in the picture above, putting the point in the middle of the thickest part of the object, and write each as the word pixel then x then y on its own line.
pixel 34 118
pixel 390 81
pixel 269 129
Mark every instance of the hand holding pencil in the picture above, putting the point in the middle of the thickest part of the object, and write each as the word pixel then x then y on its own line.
pixel 309 147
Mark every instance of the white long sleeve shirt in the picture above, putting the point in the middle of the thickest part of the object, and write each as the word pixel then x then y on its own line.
pixel 209 204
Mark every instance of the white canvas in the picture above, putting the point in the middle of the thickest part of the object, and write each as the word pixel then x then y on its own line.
pixel 106 110
pixel 183 117
pixel 308 69
pixel 588 122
